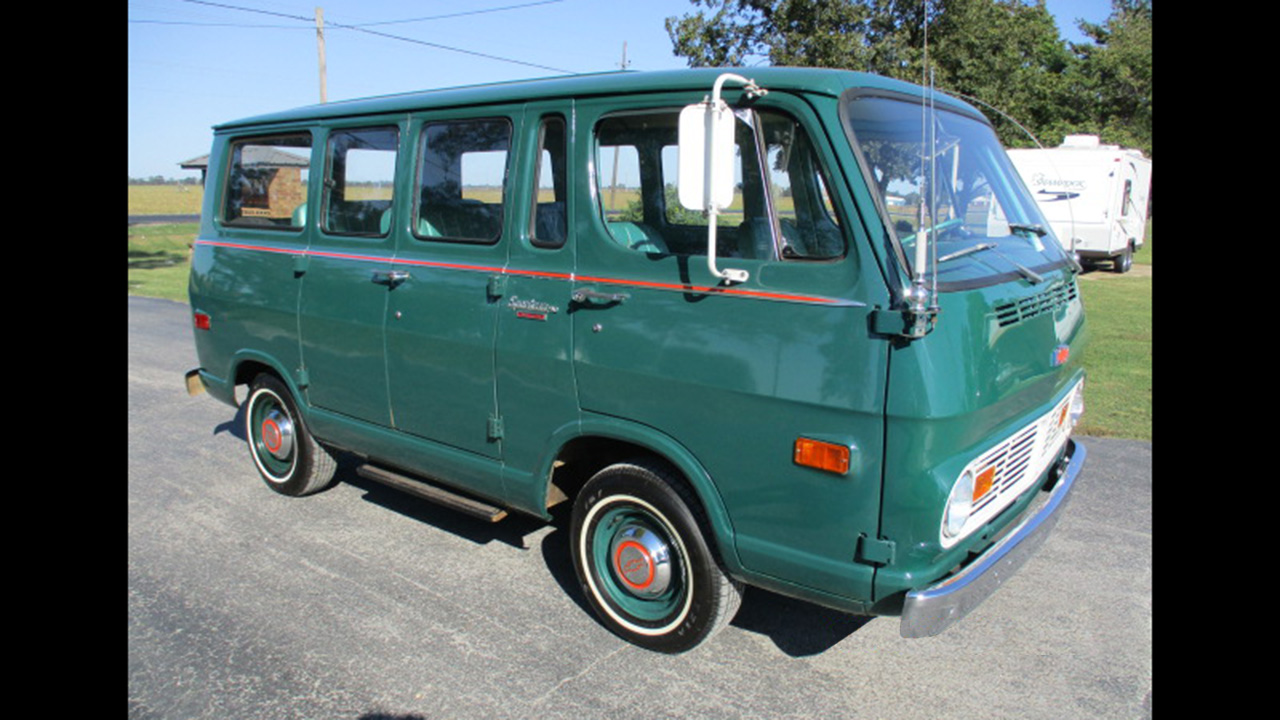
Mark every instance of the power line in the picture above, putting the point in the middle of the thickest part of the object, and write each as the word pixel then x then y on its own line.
pixel 454 49
pixel 252 10
pixel 364 29
pixel 209 24
pixel 459 14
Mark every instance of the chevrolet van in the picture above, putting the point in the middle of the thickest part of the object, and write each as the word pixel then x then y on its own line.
pixel 804 330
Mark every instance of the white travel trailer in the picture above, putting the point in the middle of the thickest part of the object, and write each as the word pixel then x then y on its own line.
pixel 1094 196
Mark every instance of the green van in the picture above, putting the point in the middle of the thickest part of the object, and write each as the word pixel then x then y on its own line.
pixel 805 331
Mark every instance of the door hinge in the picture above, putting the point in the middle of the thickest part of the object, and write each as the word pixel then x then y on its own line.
pixel 302 378
pixel 495 427
pixel 873 551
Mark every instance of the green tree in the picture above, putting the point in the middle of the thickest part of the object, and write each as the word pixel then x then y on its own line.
pixel 1112 76
pixel 1003 54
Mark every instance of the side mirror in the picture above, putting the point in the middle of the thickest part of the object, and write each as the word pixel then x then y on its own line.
pixel 706 163
pixel 706 156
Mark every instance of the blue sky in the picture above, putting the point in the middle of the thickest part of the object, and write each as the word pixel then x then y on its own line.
pixel 193 64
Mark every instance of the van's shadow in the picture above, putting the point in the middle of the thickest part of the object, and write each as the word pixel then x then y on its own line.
pixel 234 427
pixel 797 628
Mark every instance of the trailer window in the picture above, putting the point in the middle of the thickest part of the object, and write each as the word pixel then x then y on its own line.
pixel 266 182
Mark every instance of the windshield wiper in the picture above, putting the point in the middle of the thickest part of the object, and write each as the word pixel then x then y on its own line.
pixel 1037 229
pixel 1041 232
pixel 1032 276
pixel 967 251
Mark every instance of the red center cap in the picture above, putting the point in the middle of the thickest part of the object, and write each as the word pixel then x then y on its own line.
pixel 271 435
pixel 634 565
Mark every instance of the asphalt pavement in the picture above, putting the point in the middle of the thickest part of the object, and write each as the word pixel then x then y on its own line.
pixel 366 604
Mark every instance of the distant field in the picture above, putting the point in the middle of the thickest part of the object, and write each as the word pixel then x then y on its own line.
pixel 165 199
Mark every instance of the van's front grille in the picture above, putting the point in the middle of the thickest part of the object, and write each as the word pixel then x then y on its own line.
pixel 1011 460
pixel 1052 298
pixel 1017 462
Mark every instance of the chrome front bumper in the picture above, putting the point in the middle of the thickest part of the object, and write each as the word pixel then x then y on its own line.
pixel 929 611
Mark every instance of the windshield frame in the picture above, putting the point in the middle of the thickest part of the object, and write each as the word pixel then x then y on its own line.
pixel 894 244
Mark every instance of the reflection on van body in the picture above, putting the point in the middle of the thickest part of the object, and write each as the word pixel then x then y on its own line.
pixel 496 298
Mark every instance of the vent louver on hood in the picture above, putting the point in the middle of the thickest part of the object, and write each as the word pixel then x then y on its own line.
pixel 1015 311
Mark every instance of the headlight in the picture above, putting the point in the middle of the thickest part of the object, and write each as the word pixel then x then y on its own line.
pixel 959 505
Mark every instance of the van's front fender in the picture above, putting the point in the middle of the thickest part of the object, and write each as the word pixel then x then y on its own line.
pixel 592 425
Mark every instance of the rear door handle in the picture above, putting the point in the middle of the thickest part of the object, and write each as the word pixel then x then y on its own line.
pixel 390 278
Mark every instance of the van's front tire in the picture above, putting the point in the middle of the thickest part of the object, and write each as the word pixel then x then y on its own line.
pixel 643 562
pixel 288 458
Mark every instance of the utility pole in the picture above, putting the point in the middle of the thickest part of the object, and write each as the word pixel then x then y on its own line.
pixel 320 48
pixel 613 189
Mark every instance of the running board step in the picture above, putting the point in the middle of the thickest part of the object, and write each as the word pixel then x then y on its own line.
pixel 434 493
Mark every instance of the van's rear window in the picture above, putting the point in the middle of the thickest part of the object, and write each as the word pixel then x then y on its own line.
pixel 267 180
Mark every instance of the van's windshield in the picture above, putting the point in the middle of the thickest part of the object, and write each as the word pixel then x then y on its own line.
pixel 964 190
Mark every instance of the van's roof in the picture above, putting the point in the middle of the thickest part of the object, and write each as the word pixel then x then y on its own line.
pixel 816 80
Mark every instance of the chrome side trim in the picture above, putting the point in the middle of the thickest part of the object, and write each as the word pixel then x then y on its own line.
pixel 931 610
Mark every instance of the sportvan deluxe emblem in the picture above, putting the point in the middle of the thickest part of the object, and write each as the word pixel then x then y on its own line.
pixel 531 309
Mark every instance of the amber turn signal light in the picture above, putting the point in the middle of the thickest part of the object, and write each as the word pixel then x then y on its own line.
pixel 822 455
pixel 983 482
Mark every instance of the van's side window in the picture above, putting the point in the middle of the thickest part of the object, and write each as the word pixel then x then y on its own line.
pixel 267 182
pixel 775 169
pixel 743 228
pixel 462 173
pixel 360 173
pixel 635 197
pixel 549 223
pixel 807 217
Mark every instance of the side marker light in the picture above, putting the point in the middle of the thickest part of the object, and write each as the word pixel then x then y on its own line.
pixel 825 456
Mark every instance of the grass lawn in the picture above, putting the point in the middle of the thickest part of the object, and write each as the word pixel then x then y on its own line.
pixel 1118 391
pixel 159 259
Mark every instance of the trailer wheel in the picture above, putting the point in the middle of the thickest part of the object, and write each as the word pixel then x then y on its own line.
pixel 1123 262
pixel 288 458
pixel 643 561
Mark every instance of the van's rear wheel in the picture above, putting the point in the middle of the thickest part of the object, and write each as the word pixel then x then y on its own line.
pixel 288 458
pixel 643 561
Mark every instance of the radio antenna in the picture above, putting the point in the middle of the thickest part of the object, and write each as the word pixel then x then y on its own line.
pixel 922 294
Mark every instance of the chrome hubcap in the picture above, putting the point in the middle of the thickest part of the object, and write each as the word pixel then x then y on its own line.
pixel 641 560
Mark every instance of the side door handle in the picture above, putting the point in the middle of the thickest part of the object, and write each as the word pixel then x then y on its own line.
pixel 390 278
pixel 592 297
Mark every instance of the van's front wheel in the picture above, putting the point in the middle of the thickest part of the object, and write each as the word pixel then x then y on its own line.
pixel 288 458
pixel 643 562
